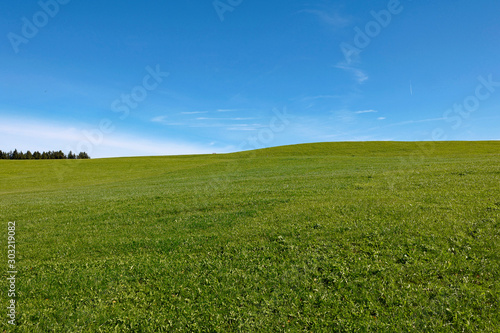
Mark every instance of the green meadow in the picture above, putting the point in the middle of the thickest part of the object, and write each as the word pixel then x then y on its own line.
pixel 327 237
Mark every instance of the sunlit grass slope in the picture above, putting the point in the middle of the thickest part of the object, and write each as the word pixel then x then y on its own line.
pixel 333 237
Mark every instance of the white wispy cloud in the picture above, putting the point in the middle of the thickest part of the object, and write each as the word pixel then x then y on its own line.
pixel 408 122
pixel 164 121
pixel 236 128
pixel 366 111
pixel 234 119
pixel 348 116
pixel 227 110
pixel 233 127
pixel 34 135
pixel 159 119
pixel 359 75
pixel 309 98
pixel 194 112
pixel 345 116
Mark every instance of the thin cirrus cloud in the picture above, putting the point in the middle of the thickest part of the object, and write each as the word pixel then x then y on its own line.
pixel 319 97
pixel 348 65
pixel 407 122
pixel 337 21
pixel 194 112
pixel 359 75
pixel 227 110
pixel 46 136
pixel 205 122
pixel 159 119
pixel 366 111
pixel 163 120
pixel 234 119
pixel 208 122
pixel 244 127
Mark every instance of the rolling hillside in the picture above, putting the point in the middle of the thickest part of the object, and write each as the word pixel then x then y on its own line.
pixel 374 236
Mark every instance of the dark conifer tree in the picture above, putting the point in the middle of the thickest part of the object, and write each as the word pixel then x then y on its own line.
pixel 83 155
pixel 46 155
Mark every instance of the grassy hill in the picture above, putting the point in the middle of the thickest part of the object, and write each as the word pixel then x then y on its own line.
pixel 375 236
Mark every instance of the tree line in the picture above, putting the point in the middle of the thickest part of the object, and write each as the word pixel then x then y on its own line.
pixel 46 155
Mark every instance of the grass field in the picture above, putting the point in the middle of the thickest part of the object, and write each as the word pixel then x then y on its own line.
pixel 330 237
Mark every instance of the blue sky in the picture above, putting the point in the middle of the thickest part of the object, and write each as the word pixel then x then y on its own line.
pixel 127 78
